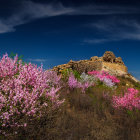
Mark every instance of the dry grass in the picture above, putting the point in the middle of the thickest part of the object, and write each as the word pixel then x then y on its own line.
pixel 84 116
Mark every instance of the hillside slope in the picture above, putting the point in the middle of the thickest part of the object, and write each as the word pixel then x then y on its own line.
pixel 108 62
pixel 39 104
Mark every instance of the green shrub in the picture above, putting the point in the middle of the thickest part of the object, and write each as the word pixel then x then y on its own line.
pixel 76 74
pixel 66 73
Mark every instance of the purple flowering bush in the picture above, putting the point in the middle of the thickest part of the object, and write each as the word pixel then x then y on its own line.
pixel 83 83
pixel 92 78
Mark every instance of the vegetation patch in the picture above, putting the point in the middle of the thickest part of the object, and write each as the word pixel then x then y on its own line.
pixel 39 104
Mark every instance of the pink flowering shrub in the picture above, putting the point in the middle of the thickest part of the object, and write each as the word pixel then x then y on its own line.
pixel 74 83
pixel 8 66
pixel 24 91
pixel 130 100
pixel 53 78
pixel 105 77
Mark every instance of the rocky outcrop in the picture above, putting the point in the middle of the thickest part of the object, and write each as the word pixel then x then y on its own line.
pixel 108 62
pixel 115 68
pixel 109 57
pixel 118 60
pixel 85 65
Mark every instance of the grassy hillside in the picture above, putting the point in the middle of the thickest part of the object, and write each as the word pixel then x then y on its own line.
pixel 41 105
pixel 86 116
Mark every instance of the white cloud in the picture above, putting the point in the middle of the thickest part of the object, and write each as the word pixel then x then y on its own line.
pixel 37 10
pixel 96 41
pixel 31 10
pixel 5 28
pixel 104 10
pixel 114 30
pixel 37 60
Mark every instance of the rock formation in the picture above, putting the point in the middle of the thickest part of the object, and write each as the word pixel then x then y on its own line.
pixel 109 57
pixel 109 63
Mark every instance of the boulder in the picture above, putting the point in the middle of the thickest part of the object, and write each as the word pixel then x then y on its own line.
pixel 109 57
pixel 118 60
pixel 94 58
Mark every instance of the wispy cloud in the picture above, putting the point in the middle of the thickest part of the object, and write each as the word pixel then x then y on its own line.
pixel 30 10
pixel 104 10
pixel 96 40
pixel 4 28
pixel 37 60
pixel 114 30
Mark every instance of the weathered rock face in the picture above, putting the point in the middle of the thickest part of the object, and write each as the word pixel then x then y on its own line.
pixel 115 68
pixel 109 57
pixel 119 61
pixel 85 65
pixel 109 62
pixel 94 58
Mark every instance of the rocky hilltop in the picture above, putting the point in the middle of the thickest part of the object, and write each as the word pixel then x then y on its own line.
pixel 108 62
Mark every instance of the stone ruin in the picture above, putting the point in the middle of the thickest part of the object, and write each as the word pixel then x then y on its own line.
pixel 108 62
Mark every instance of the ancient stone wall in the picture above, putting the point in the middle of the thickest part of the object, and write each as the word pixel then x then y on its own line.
pixel 109 62
pixel 82 66
pixel 114 68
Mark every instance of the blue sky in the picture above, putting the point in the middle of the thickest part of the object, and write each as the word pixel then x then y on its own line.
pixel 54 31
